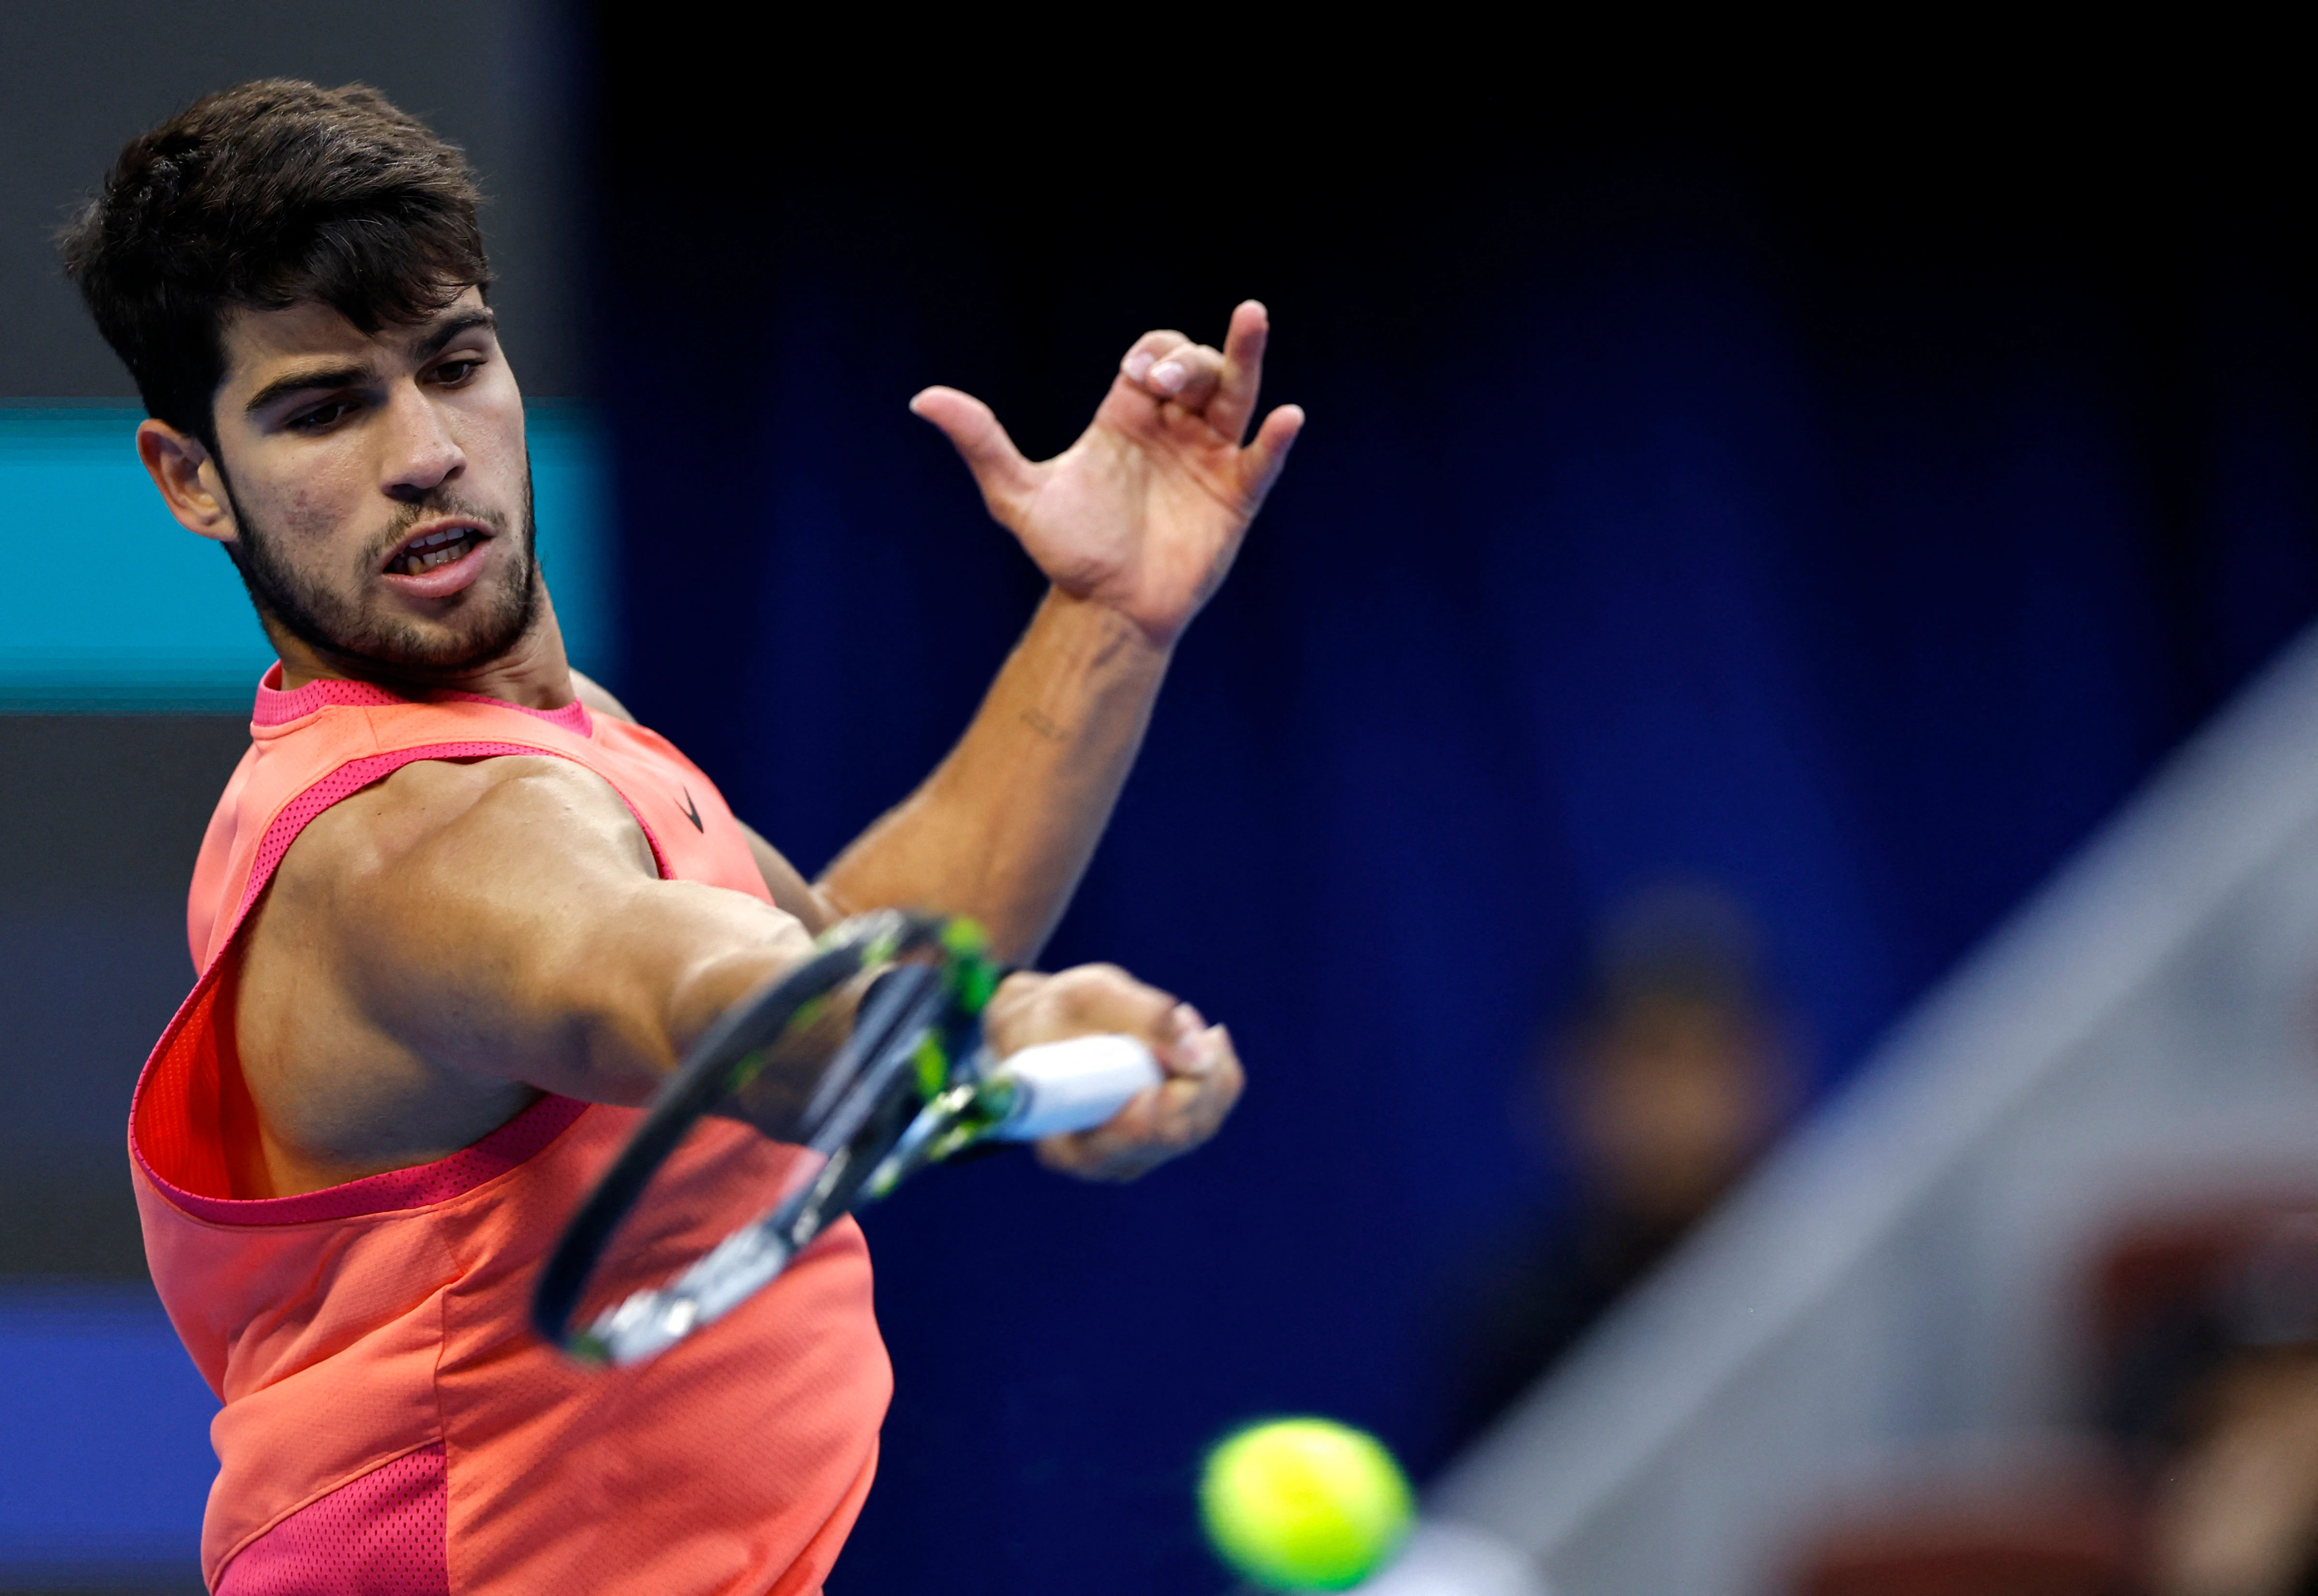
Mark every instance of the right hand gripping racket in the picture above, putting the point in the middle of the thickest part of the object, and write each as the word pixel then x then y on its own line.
pixel 910 1086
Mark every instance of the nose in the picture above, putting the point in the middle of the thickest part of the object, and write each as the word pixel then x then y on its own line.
pixel 422 454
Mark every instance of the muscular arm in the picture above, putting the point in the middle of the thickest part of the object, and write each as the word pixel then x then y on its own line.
pixel 1004 827
pixel 439 948
pixel 436 949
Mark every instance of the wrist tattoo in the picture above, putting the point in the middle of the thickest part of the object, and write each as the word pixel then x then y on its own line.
pixel 1044 725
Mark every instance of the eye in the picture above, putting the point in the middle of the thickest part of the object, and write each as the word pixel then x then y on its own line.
pixel 321 418
pixel 451 373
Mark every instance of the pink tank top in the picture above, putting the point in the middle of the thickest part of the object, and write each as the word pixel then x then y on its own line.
pixel 391 1423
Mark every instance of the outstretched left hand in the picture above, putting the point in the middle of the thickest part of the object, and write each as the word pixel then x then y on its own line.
pixel 1145 511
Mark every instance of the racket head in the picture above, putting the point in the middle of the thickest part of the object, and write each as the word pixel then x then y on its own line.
pixel 917 1021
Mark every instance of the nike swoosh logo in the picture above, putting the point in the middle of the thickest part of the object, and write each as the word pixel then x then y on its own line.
pixel 692 812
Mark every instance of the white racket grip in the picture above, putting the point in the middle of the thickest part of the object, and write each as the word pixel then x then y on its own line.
pixel 1073 1085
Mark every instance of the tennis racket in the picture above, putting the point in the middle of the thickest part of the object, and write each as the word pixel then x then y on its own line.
pixel 911 1085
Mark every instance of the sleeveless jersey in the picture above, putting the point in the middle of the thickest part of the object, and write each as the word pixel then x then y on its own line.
pixel 391 1423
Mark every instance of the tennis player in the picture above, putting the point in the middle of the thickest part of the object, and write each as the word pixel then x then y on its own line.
pixel 457 913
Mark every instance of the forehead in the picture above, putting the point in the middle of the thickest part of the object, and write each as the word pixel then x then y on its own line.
pixel 257 343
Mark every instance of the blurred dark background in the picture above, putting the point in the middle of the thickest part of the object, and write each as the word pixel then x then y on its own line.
pixel 1834 490
pixel 1841 498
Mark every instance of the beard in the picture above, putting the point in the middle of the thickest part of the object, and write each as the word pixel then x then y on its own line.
pixel 483 624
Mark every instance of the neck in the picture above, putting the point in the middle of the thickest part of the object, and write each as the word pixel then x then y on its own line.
pixel 533 673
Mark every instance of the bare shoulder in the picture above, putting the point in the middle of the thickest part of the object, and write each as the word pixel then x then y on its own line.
pixel 593 694
pixel 443 824
pixel 792 893
pixel 410 964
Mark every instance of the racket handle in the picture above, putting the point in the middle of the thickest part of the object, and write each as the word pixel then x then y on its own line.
pixel 1073 1085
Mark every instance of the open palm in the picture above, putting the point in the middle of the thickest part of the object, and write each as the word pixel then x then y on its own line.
pixel 1145 511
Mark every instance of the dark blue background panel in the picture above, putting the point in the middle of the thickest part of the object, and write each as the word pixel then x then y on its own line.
pixel 1663 511
pixel 108 1463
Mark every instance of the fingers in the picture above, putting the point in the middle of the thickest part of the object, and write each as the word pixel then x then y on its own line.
pixel 1144 350
pixel 1220 386
pixel 1163 1123
pixel 1086 1000
pixel 1203 1075
pixel 1263 460
pixel 1147 352
pixel 1240 377
pixel 1168 366
pixel 1005 478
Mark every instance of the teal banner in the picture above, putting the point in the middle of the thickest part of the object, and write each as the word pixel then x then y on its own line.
pixel 115 606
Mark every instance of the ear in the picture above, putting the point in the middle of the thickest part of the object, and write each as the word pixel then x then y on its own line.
pixel 181 467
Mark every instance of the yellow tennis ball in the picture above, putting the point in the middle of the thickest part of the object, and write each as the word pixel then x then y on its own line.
pixel 1304 1504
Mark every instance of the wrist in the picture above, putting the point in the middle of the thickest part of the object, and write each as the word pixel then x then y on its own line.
pixel 1108 632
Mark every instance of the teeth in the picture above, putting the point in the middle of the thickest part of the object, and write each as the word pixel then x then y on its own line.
pixel 423 554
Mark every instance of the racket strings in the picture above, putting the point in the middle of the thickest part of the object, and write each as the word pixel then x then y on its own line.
pixel 912 1025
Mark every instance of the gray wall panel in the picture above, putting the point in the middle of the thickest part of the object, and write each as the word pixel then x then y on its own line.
pixel 105 814
pixel 78 77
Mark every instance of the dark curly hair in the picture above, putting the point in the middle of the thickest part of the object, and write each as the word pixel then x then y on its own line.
pixel 262 196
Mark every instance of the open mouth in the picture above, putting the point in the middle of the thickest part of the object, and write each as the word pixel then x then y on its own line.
pixel 441 546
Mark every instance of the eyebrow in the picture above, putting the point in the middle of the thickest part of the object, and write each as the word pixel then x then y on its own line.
pixel 348 376
pixel 466 321
pixel 291 383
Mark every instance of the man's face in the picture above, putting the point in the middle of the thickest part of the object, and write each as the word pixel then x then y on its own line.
pixel 379 483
